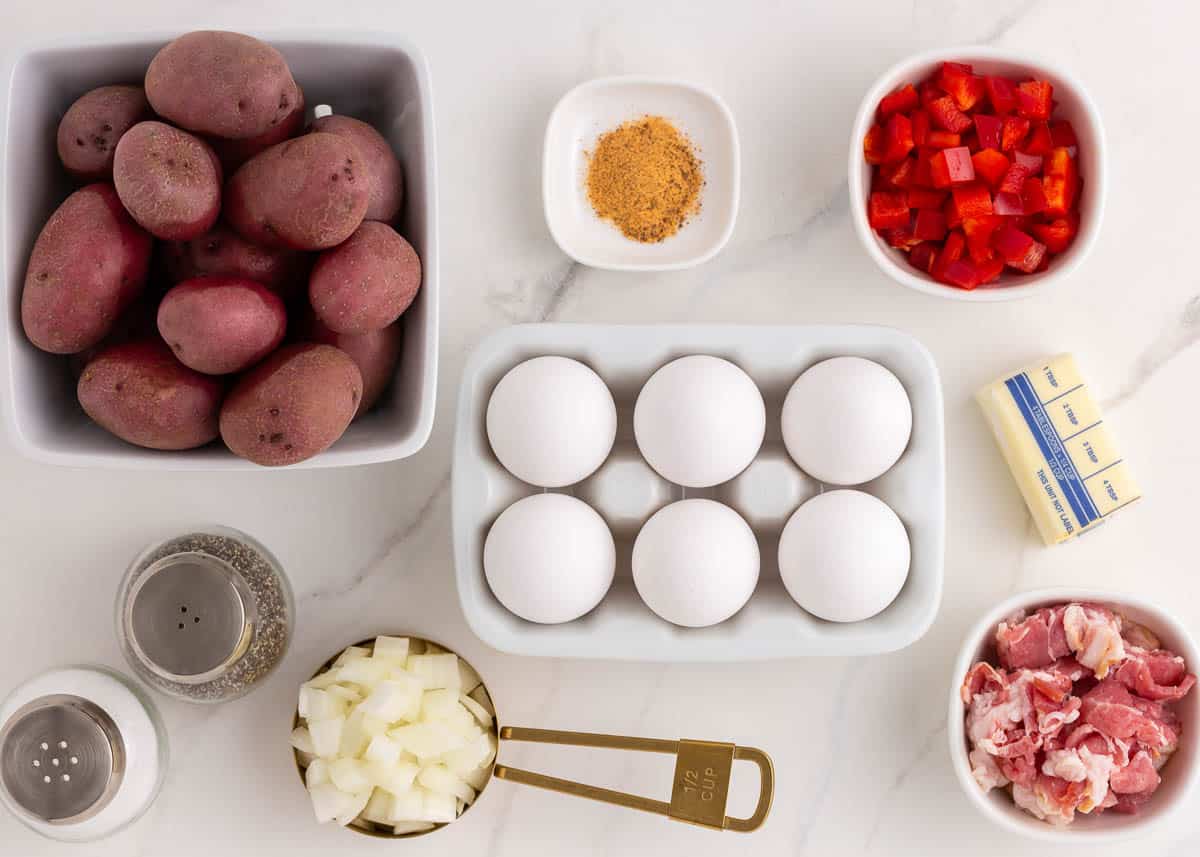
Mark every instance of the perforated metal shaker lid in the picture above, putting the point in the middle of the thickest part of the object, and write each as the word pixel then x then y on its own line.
pixel 190 617
pixel 62 758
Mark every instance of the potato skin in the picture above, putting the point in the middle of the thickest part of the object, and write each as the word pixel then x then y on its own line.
pixel 168 180
pixel 218 325
pixel 221 84
pixel 292 406
pixel 309 193
pixel 375 354
pixel 234 153
pixel 88 264
pixel 91 127
pixel 139 392
pixel 222 252
pixel 366 282
pixel 384 175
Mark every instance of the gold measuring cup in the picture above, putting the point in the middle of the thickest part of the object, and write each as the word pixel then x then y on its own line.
pixel 700 784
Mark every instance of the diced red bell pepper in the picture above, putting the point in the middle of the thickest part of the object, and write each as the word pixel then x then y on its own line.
pixel 1058 234
pixel 924 174
pixel 952 166
pixel 920 123
pixel 936 139
pixel 950 211
pixel 971 140
pixel 887 210
pixel 990 269
pixel 1040 141
pixel 1018 249
pixel 929 226
pixel 1035 99
pixel 897 138
pixel 900 174
pixel 1060 181
pixel 963 274
pixel 988 128
pixel 928 91
pixel 1013 132
pixel 972 200
pixel 1013 180
pixel 901 238
pixel 1002 93
pixel 1033 163
pixel 873 145
pixel 1009 204
pixel 947 116
pixel 952 250
pixel 901 100
pixel 1033 195
pixel 990 165
pixel 1063 134
pixel 921 257
pixel 919 198
pixel 978 231
pixel 958 81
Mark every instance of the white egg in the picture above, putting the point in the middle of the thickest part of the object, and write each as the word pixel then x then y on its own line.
pixel 699 421
pixel 551 421
pixel 549 558
pixel 695 563
pixel 844 556
pixel 846 420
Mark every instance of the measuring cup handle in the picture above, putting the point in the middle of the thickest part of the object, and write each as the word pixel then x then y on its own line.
pixel 766 790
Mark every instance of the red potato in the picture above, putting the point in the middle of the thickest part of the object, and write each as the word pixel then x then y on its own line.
pixel 91 127
pixel 309 193
pixel 292 406
pixel 367 282
pixel 139 392
pixel 375 354
pixel 234 153
pixel 88 264
pixel 384 175
pixel 221 84
pixel 168 180
pixel 222 252
pixel 219 325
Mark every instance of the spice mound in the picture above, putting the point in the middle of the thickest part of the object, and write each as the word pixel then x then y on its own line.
pixel 645 178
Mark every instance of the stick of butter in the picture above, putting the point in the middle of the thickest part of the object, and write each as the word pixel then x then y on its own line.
pixel 1058 448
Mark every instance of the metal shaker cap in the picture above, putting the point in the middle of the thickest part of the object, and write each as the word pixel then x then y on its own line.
pixel 190 617
pixel 62 758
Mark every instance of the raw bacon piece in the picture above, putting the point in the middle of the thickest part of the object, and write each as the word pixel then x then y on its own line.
pixel 1138 777
pixel 1094 635
pixel 1159 731
pixel 982 678
pixel 1037 641
pixel 1155 675
pixel 1109 707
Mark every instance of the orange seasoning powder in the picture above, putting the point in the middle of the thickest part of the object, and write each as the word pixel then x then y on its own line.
pixel 645 178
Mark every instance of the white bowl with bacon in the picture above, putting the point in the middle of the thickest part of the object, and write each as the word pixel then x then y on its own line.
pixel 1041 703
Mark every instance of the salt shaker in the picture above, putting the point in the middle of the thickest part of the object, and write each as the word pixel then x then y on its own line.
pixel 205 616
pixel 82 753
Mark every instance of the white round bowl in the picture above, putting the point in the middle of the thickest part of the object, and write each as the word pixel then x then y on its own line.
pixel 1179 775
pixel 1073 104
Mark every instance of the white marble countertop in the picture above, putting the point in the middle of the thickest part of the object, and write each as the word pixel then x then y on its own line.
pixel 859 745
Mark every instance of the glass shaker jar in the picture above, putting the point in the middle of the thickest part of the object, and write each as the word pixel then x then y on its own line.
pixel 205 616
pixel 82 753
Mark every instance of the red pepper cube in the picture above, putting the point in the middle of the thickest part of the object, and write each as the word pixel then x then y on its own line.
pixel 958 81
pixel 990 165
pixel 920 126
pixel 887 210
pixel 901 100
pixel 1040 141
pixel 951 251
pixel 1018 249
pixel 1033 195
pixel 952 166
pixel 929 225
pixel 1014 179
pixel 1058 234
pixel 1033 163
pixel 1062 133
pixel 873 145
pixel 901 238
pixel 972 200
pixel 950 212
pixel 1060 181
pixel 1013 132
pixel 990 269
pixel 1009 205
pixel 924 174
pixel 898 175
pixel 921 257
pixel 936 139
pixel 929 92
pixel 1002 93
pixel 947 116
pixel 897 138
pixel 963 274
pixel 1035 99
pixel 988 128
pixel 922 199
pixel 978 231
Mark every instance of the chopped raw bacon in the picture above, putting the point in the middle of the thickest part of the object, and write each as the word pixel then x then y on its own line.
pixel 1077 717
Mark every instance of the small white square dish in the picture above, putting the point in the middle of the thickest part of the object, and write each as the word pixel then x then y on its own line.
pixel 597 106
pixel 625 491
pixel 378 78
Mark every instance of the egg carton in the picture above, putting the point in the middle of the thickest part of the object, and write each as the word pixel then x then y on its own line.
pixel 626 491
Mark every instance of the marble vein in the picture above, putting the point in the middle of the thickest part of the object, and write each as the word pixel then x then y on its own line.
pixel 1179 337
pixel 927 746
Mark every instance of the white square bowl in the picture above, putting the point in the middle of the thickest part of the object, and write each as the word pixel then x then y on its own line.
pixel 600 105
pixel 377 77
pixel 1074 104
pixel 625 491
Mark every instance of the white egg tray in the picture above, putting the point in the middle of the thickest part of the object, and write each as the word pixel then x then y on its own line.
pixel 626 491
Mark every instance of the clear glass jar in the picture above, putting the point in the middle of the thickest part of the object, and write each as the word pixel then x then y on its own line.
pixel 205 616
